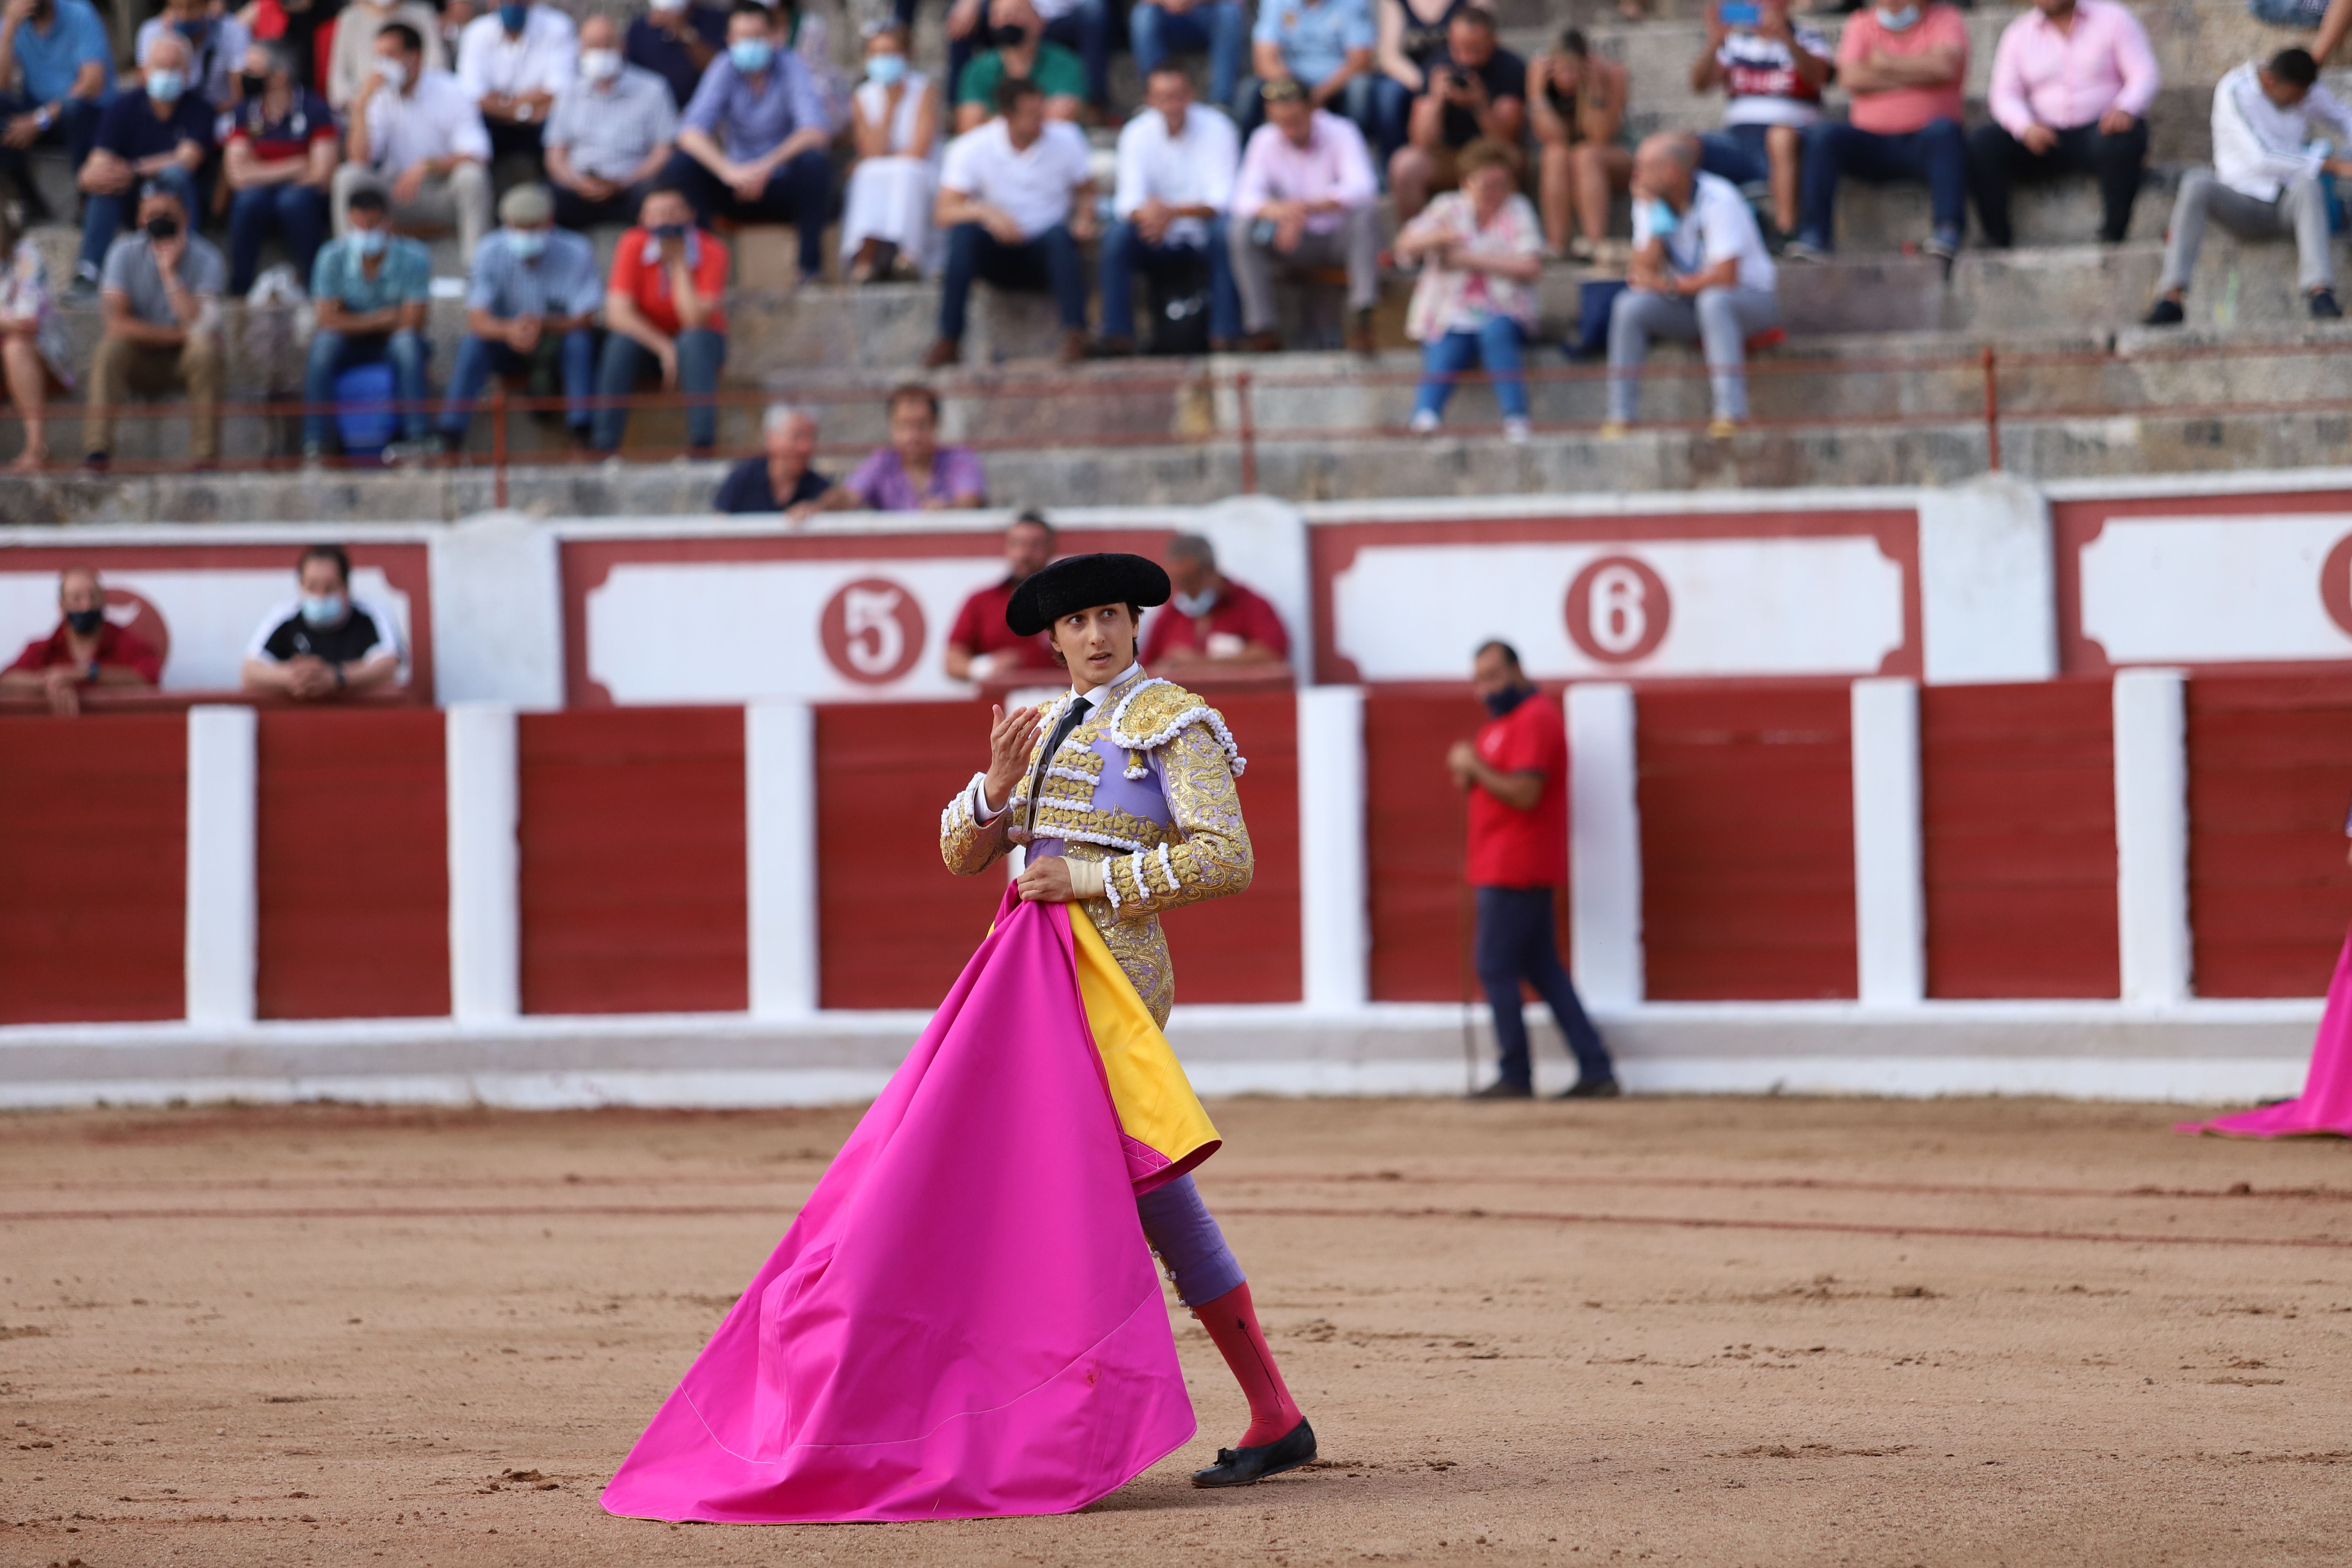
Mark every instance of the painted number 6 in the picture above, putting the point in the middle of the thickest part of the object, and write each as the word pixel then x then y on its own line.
pixel 1617 610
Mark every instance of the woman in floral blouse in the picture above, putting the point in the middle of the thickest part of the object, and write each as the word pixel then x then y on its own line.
pixel 1481 251
pixel 32 340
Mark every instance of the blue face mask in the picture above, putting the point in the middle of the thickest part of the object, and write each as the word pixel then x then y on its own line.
pixel 887 70
pixel 368 241
pixel 322 609
pixel 166 86
pixel 1658 216
pixel 195 30
pixel 666 232
pixel 527 243
pixel 752 55
pixel 1896 21
pixel 511 17
pixel 1500 703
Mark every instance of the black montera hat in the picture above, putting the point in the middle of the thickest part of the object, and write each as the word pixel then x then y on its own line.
pixel 1080 583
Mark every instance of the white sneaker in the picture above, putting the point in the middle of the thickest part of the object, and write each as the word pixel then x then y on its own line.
pixel 1515 431
pixel 1423 423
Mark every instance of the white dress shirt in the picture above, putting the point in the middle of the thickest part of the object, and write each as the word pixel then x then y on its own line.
pixel 1033 187
pixel 1194 170
pixel 544 59
pixel 2258 147
pixel 437 118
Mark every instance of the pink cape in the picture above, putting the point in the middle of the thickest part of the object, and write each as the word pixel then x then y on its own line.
pixel 2326 1104
pixel 964 1320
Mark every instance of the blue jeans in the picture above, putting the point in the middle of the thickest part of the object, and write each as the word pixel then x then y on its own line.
pixel 1495 345
pixel 479 359
pixel 800 194
pixel 1391 119
pixel 1048 263
pixel 299 213
pixel 1124 254
pixel 700 353
pixel 1518 940
pixel 1739 154
pixel 1216 25
pixel 1937 154
pixel 1086 27
pixel 101 218
pixel 331 353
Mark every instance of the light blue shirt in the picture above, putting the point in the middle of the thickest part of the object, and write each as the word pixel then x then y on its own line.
pixel 561 282
pixel 750 124
pixel 1315 37
pixel 405 277
pixel 51 61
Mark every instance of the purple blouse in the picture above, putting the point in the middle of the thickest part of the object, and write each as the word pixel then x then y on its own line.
pixel 880 482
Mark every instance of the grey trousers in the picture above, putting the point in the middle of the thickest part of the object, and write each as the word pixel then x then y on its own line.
pixel 1721 320
pixel 2301 209
pixel 461 197
pixel 1355 244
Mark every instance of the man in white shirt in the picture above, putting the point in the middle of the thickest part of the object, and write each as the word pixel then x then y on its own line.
pixel 1304 200
pixel 1699 274
pixel 417 136
pixel 609 135
pixel 1176 165
pixel 512 61
pixel 1016 200
pixel 2265 178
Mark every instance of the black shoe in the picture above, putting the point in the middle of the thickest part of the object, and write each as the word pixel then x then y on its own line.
pixel 2164 313
pixel 2323 306
pixel 1590 1088
pixel 1247 1467
pixel 1502 1089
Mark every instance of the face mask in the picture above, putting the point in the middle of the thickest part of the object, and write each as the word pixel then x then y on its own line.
pixel 85 621
pixel 1199 603
pixel 670 8
pixel 1658 216
pixel 368 241
pixel 666 232
pixel 253 86
pixel 1500 703
pixel 165 86
pixel 1896 21
pixel 887 70
pixel 528 243
pixel 752 55
pixel 322 609
pixel 163 226
pixel 195 31
pixel 511 17
pixel 394 72
pixel 600 65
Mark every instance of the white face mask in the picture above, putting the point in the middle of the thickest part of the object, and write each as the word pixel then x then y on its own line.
pixel 671 7
pixel 600 65
pixel 394 72
pixel 1896 21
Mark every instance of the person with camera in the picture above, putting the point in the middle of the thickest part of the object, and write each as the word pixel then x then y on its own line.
pixel 1771 72
pixel 159 292
pixel 1477 92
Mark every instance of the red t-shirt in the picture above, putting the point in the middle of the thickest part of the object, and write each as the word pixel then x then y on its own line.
pixel 1238 613
pixel 1527 849
pixel 115 645
pixel 648 282
pixel 980 626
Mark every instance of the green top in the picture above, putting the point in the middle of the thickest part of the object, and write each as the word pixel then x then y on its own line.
pixel 1059 73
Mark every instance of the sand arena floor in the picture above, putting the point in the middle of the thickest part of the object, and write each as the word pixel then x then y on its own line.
pixel 1673 1331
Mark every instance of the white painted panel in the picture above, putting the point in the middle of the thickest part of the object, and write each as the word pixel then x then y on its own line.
pixel 1334 919
pixel 780 850
pixel 211 617
pixel 223 896
pixel 1889 898
pixel 2214 590
pixel 485 863
pixel 1605 845
pixel 2152 836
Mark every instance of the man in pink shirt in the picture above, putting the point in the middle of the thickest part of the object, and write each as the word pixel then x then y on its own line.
pixel 1902 66
pixel 1304 200
pixel 2072 81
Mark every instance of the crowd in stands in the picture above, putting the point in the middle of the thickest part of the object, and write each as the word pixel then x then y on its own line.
pixel 345 135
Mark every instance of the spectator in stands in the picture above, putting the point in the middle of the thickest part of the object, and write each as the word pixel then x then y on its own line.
pixel 1902 70
pixel 1304 201
pixel 801 29
pixel 35 359
pixel 914 472
pixel 1477 92
pixel 981 647
pixel 417 136
pixel 1160 29
pixel 782 478
pixel 1699 274
pixel 530 310
pixel 1408 39
pixel 886 218
pixel 1211 619
pixel 1176 165
pixel 610 134
pixel 676 40
pixel 664 316
pixel 280 162
pixel 371 289
pixel 512 61
pixel 1516 775
pixel 217 42
pixel 351 63
pixel 1771 72
pixel 322 644
pixel 161 296
pixel 2268 161
pixel 1481 252
pixel 160 136
pixel 2072 81
pixel 58 54
pixel 1324 45
pixel 751 145
pixel 1023 53
pixel 1577 104
pixel 86 649
pixel 1016 200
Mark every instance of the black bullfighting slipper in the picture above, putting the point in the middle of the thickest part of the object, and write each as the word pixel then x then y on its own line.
pixel 1247 1467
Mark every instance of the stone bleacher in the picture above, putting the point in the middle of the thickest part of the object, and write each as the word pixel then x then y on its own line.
pixel 2135 404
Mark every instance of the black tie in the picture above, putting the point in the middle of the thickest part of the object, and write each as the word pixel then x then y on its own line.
pixel 1076 711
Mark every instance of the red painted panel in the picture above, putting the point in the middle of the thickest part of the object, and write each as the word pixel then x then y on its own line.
pixel 1414 822
pixel 2018 808
pixel 2270 767
pixel 632 879
pixel 93 868
pixel 1246 948
pixel 1747 805
pixel 352 863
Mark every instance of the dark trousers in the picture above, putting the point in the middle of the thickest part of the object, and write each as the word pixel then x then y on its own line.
pixel 1047 264
pixel 572 358
pixel 1936 155
pixel 74 129
pixel 1518 940
pixel 577 213
pixel 1124 254
pixel 299 216
pixel 624 362
pixel 1998 161
pixel 799 192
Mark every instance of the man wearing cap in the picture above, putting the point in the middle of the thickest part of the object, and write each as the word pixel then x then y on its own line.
pixel 530 310
pixel 1122 792
pixel 981 647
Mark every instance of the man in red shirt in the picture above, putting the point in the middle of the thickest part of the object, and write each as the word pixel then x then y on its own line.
pixel 662 315
pixel 1516 774
pixel 1211 619
pixel 86 649
pixel 981 647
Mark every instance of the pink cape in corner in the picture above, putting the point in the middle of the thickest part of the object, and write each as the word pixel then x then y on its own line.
pixel 965 1320
pixel 2326 1104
